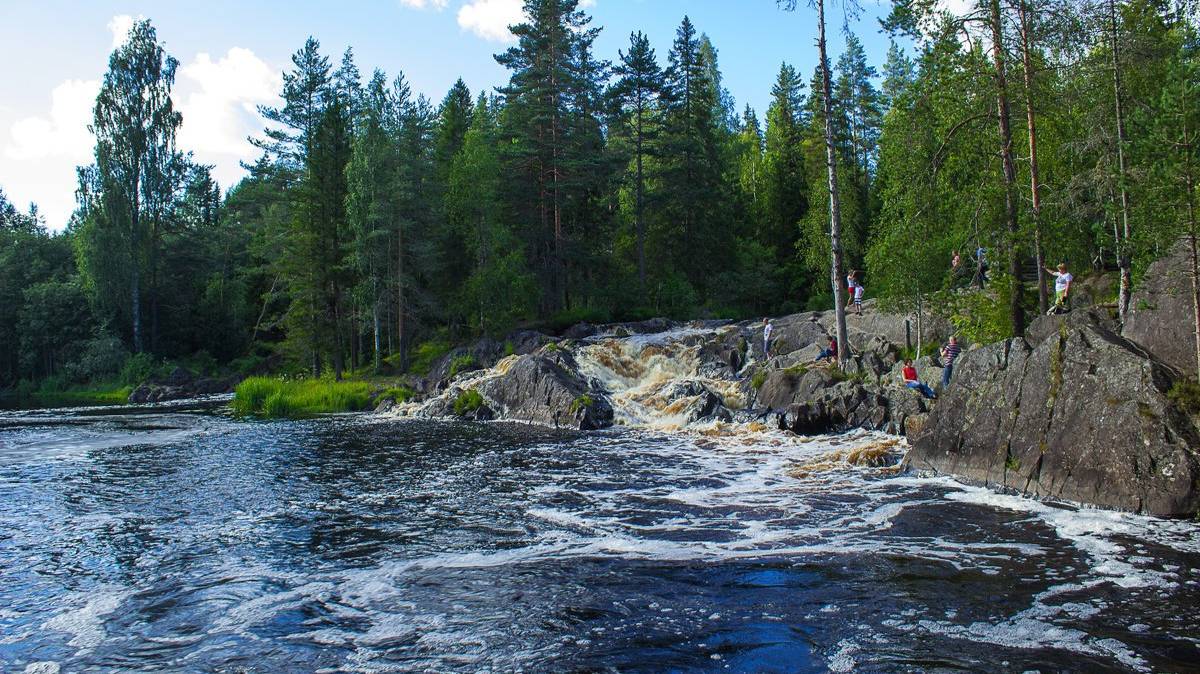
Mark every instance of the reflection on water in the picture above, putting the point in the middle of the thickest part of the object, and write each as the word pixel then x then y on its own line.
pixel 184 540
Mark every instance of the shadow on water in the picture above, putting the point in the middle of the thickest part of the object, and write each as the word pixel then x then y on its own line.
pixel 183 539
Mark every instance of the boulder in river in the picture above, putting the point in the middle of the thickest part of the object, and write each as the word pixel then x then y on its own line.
pixel 1082 416
pixel 545 388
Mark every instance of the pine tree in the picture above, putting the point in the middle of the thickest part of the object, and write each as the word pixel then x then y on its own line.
pixel 636 91
pixel 547 102
pixel 306 93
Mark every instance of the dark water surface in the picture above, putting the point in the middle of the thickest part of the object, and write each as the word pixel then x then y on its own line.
pixel 182 540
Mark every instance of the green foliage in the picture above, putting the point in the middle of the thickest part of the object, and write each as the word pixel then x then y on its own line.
pixel 101 357
pixel 400 394
pixel 138 368
pixel 426 354
pixel 294 399
pixel 1185 393
pixel 462 363
pixel 980 316
pixel 467 401
pixel 582 402
pixel 759 378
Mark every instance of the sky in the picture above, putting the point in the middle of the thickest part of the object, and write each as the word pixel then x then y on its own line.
pixel 232 54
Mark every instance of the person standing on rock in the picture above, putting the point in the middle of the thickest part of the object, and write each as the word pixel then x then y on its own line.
pixel 911 381
pixel 1062 288
pixel 855 288
pixel 768 328
pixel 949 354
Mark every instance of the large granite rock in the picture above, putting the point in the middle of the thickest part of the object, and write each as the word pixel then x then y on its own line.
pixel 1083 415
pixel 545 388
pixel 1161 316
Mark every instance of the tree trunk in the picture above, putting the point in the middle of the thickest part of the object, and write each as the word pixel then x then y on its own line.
pixel 401 326
pixel 835 206
pixel 641 224
pixel 378 336
pixel 1124 255
pixel 1016 312
pixel 1035 190
pixel 135 291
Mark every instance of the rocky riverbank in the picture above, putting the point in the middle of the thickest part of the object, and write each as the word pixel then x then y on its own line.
pixel 1073 411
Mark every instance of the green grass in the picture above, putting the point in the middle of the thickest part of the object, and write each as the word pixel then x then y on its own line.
pixel 462 364
pixel 79 397
pixel 758 379
pixel 399 394
pixel 296 399
pixel 467 402
pixel 1185 393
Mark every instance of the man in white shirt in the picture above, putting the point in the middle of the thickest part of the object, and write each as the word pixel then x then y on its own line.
pixel 1062 288
pixel 768 327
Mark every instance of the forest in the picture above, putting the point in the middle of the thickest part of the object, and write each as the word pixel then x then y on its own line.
pixel 378 226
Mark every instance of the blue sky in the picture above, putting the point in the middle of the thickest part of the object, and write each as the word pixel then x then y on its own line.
pixel 231 54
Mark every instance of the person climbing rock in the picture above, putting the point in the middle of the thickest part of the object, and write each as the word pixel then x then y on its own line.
pixel 1062 289
pixel 949 354
pixel 830 352
pixel 913 382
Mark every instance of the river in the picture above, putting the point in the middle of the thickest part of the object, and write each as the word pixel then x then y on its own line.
pixel 177 538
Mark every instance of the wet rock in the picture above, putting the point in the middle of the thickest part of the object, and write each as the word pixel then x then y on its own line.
pixel 527 341
pixel 1081 416
pixel 1161 317
pixel 701 403
pixel 181 384
pixel 580 331
pixel 546 388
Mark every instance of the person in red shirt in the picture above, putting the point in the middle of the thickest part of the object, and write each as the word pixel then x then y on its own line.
pixel 830 353
pixel 912 382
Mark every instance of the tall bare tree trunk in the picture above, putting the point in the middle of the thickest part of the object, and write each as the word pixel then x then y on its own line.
pixel 1124 255
pixel 378 336
pixel 641 223
pixel 1016 311
pixel 835 205
pixel 1035 190
pixel 401 327
pixel 135 266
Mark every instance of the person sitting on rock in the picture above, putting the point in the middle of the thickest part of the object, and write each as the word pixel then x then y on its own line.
pixel 911 381
pixel 830 353
pixel 949 354
pixel 1062 288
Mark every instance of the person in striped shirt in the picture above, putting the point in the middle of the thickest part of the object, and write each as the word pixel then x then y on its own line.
pixel 949 354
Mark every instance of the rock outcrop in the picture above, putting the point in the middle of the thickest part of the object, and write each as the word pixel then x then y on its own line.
pixel 542 388
pixel 1161 316
pixel 180 385
pixel 1083 416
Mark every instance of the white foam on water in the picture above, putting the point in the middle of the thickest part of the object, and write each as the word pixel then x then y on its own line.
pixel 43 667
pixel 86 623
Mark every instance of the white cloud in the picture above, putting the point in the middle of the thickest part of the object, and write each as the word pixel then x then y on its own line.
pixel 120 25
pixel 439 5
pixel 220 107
pixel 490 19
pixel 39 162
pixel 587 4
pixel 61 133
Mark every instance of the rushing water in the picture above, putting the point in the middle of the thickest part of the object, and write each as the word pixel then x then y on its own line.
pixel 179 539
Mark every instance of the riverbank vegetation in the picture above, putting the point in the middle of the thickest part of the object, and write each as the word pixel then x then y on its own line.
pixel 379 227
pixel 278 398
